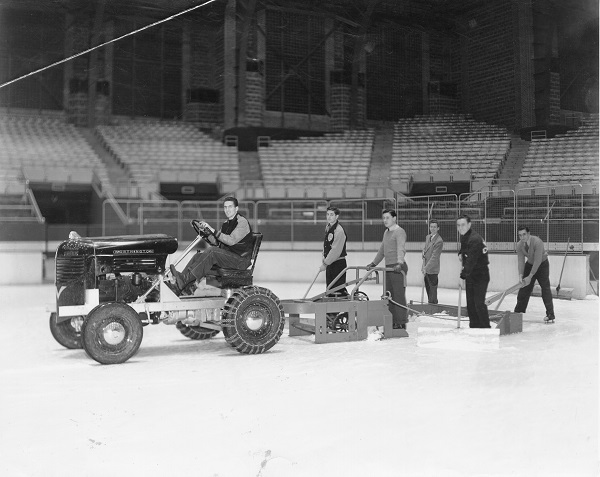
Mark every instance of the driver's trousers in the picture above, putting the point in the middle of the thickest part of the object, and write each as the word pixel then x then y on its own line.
pixel 201 263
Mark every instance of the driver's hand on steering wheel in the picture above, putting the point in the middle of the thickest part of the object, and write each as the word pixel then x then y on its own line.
pixel 207 228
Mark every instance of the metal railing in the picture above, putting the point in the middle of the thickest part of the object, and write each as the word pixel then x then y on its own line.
pixel 553 214
pixel 38 213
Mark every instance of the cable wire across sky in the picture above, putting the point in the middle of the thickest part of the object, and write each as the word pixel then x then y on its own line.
pixel 64 60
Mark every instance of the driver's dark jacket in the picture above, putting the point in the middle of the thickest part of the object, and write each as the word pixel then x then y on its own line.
pixel 236 236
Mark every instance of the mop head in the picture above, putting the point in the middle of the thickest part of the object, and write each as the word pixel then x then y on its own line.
pixel 375 334
pixel 450 337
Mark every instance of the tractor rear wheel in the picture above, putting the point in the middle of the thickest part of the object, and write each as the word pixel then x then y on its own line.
pixel 67 333
pixel 112 333
pixel 252 320
pixel 196 332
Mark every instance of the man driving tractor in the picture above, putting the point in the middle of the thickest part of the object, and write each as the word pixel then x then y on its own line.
pixel 232 248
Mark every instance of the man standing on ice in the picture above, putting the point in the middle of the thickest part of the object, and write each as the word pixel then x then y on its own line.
pixel 533 265
pixel 475 272
pixel 334 251
pixel 431 261
pixel 393 249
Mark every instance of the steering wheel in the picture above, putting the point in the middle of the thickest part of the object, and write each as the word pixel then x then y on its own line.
pixel 200 231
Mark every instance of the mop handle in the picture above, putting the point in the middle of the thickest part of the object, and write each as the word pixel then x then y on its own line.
pixel 313 282
pixel 563 265
pixel 458 313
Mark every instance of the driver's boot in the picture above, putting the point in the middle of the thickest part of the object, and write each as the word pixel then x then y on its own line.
pixel 183 280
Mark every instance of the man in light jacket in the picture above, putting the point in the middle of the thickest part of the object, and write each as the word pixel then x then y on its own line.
pixel 533 265
pixel 393 250
pixel 431 261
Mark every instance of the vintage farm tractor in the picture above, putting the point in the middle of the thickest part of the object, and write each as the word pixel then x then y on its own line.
pixel 109 288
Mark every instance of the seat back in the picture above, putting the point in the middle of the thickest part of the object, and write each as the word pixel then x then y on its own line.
pixel 257 241
pixel 232 278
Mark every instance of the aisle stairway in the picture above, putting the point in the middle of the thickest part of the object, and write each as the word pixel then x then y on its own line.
pixel 116 173
pixel 381 156
pixel 250 170
pixel 509 176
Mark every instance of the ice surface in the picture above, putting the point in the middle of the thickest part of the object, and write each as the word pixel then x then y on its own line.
pixel 370 408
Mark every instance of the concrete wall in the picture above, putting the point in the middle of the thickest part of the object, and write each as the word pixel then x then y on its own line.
pixel 303 266
pixel 23 263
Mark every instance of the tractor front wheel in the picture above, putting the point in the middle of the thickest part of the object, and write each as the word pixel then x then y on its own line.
pixel 252 320
pixel 112 333
pixel 68 332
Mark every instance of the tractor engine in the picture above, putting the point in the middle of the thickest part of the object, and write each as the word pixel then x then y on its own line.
pixel 121 268
pixel 126 288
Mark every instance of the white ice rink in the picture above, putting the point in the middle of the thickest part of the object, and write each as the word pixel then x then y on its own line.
pixel 372 408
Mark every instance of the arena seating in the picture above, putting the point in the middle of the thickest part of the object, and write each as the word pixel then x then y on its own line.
pixel 46 149
pixel 312 164
pixel 447 143
pixel 569 158
pixel 170 152
pixel 16 207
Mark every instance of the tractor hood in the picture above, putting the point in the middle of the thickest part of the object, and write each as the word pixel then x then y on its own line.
pixel 123 245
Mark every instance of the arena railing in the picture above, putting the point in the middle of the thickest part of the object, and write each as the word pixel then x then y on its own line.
pixel 551 213
pixel 38 213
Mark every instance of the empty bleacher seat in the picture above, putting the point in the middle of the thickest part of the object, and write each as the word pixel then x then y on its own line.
pixel 572 157
pixel 47 148
pixel 457 143
pixel 334 159
pixel 150 150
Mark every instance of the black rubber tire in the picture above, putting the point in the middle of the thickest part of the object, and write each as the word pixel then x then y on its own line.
pixel 255 304
pixel 67 333
pixel 361 296
pixel 196 332
pixel 340 323
pixel 126 328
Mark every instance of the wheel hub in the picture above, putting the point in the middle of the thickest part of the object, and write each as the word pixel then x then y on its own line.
pixel 255 319
pixel 76 323
pixel 114 333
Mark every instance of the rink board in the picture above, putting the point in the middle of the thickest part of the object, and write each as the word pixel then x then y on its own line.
pixel 507 322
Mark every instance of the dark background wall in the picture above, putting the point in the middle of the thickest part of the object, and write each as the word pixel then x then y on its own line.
pixel 509 63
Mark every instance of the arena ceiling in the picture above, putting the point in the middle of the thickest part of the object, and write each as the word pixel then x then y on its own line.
pixel 417 11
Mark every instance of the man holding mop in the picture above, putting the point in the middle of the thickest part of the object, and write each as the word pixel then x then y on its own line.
pixel 533 265
pixel 393 250
pixel 431 261
pixel 475 272
pixel 334 251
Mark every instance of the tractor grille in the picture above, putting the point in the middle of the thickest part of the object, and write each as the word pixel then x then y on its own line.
pixel 68 268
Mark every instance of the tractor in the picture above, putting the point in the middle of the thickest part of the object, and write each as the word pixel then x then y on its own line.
pixel 109 288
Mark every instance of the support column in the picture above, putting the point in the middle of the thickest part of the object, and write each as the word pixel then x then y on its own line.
pixel 77 77
pixel 94 64
pixel 524 80
pixel 425 71
pixel 229 66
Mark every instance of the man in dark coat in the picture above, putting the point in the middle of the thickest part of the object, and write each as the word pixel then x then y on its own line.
pixel 475 272
pixel 334 251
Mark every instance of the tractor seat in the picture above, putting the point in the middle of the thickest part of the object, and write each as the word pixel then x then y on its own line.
pixel 231 277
